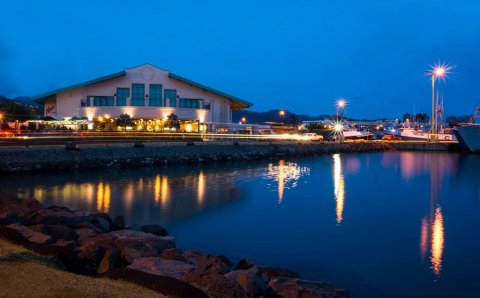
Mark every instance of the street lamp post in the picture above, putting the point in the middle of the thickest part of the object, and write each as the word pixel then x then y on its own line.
pixel 438 71
pixel 282 115
pixel 341 104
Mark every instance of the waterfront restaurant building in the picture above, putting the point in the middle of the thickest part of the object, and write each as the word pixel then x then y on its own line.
pixel 148 94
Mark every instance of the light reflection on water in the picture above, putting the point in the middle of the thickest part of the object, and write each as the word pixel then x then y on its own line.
pixel 247 210
pixel 339 187
pixel 286 175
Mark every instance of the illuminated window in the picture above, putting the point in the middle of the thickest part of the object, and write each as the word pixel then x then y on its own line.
pixel 171 97
pixel 138 94
pixel 190 103
pixel 101 101
pixel 155 95
pixel 122 94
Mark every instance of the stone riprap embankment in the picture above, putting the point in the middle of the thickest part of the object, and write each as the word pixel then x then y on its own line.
pixel 54 159
pixel 94 243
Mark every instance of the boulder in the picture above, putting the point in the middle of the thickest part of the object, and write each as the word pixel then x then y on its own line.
pixel 244 264
pixel 214 284
pixel 91 250
pixel 162 267
pixel 24 208
pixel 9 217
pixel 57 232
pixel 110 260
pixel 155 230
pixel 271 272
pixel 250 280
pixel 118 223
pixel 207 262
pixel 173 254
pixel 131 245
pixel 53 217
pixel 30 235
pixel 101 220
pixel 85 232
pixel 214 264
pixel 87 225
pixel 294 287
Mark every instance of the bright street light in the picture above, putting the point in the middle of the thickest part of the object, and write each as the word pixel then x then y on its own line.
pixel 244 119
pixel 282 113
pixel 341 103
pixel 438 71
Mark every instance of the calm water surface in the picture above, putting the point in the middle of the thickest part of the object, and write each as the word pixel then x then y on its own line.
pixel 381 225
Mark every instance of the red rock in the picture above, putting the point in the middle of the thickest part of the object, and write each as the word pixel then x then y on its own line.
pixel 215 285
pixel 110 260
pixel 57 232
pixel 30 235
pixel 250 280
pixel 162 267
pixel 173 254
pixel 294 287
pixel 207 262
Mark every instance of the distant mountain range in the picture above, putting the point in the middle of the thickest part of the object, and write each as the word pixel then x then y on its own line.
pixel 271 116
pixel 24 100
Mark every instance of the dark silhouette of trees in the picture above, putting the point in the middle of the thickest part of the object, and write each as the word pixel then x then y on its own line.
pixel 12 111
pixel 172 121
pixel 124 120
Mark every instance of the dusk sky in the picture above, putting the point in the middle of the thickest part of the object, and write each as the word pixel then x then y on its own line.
pixel 294 55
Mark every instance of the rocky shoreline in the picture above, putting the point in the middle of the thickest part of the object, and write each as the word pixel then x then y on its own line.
pixel 95 244
pixel 57 159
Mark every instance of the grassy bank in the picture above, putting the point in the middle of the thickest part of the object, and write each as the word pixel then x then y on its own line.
pixel 26 274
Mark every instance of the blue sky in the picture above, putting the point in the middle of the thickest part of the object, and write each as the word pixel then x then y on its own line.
pixel 295 55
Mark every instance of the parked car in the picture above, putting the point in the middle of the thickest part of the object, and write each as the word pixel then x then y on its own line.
pixel 391 138
pixel 312 137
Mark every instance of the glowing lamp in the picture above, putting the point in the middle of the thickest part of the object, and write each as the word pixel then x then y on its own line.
pixel 338 127
pixel 341 103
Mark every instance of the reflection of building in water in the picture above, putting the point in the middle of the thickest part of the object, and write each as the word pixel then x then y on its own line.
pixel 201 188
pixel 339 187
pixel 286 174
pixel 160 191
pixel 103 197
pixel 140 197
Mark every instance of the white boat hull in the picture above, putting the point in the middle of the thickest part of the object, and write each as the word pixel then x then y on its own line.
pixel 415 135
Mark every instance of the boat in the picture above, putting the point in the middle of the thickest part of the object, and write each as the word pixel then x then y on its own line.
pixel 351 133
pixel 468 134
pixel 413 134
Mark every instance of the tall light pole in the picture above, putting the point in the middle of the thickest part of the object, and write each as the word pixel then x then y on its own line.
pixel 438 71
pixel 341 104
pixel 282 115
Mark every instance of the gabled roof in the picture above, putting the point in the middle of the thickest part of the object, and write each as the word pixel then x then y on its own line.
pixel 241 103
pixel 237 102
pixel 43 97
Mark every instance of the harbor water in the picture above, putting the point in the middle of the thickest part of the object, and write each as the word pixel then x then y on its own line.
pixel 393 224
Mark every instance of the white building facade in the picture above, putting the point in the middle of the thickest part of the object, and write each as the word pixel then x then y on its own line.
pixel 143 92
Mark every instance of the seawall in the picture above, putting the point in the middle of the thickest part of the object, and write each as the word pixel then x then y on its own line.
pixel 58 159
